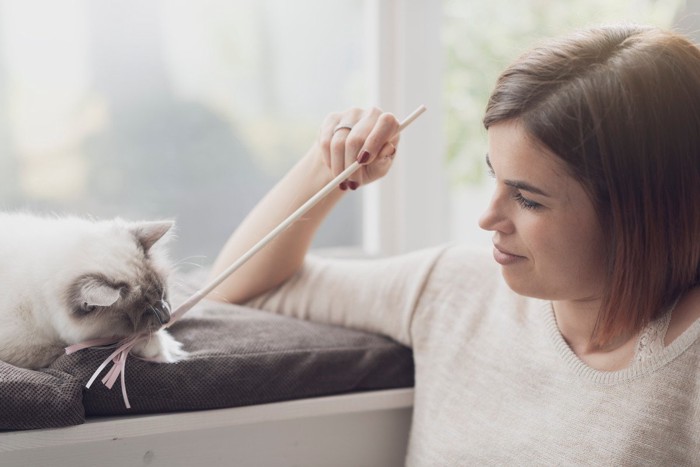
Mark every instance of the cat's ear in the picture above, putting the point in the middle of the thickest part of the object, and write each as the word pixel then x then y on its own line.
pixel 148 233
pixel 95 292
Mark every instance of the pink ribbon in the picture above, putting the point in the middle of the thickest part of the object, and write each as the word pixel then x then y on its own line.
pixel 124 346
pixel 118 359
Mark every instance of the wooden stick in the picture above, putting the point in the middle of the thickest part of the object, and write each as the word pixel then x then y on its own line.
pixel 203 292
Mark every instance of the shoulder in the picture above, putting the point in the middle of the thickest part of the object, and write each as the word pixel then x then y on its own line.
pixel 465 297
pixel 465 257
pixel 466 266
pixel 464 275
pixel 687 313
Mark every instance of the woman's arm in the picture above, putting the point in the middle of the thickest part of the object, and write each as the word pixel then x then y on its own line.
pixel 373 135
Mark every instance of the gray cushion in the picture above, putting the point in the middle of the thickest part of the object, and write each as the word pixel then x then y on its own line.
pixel 239 356
pixel 38 399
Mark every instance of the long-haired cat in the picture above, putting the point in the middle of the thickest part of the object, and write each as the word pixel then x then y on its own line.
pixel 64 280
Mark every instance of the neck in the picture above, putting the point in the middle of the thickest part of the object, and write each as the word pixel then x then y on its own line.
pixel 576 320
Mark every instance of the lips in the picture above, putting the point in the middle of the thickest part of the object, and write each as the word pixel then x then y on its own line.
pixel 505 257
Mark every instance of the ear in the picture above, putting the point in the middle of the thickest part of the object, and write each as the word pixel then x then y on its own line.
pixel 148 233
pixel 96 293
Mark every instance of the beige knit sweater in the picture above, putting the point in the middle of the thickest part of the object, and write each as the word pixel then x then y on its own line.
pixel 496 384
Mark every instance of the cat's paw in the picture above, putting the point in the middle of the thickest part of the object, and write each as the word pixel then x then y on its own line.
pixel 160 347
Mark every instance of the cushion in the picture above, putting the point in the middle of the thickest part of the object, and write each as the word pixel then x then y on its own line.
pixel 238 356
pixel 38 399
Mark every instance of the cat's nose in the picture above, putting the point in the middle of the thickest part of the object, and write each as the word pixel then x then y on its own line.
pixel 162 311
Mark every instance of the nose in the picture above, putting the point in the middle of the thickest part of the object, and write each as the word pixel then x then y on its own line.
pixel 162 311
pixel 495 217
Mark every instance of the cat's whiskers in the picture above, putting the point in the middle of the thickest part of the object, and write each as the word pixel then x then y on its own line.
pixel 153 310
pixel 178 267
pixel 186 262
pixel 177 283
pixel 150 286
pixel 187 258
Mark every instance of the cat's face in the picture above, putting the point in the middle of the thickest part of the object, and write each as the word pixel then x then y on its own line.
pixel 118 286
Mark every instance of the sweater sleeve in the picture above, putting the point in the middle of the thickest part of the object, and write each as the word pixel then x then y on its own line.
pixel 376 295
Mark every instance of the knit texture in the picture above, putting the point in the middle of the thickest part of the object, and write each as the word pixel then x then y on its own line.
pixel 496 383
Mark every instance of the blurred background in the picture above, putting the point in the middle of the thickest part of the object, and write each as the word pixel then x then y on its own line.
pixel 191 110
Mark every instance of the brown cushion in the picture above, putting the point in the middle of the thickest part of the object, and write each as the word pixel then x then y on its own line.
pixel 239 356
pixel 38 399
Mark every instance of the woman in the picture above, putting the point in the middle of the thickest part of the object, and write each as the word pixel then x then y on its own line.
pixel 586 348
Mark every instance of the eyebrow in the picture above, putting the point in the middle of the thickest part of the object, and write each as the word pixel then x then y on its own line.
pixel 520 185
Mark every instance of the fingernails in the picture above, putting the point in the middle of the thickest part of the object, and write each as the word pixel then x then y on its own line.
pixel 353 185
pixel 363 157
pixel 343 186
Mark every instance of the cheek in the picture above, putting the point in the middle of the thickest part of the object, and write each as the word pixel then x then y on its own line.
pixel 565 260
pixel 539 236
pixel 578 263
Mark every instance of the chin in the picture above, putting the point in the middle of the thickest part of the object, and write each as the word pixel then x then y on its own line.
pixel 524 286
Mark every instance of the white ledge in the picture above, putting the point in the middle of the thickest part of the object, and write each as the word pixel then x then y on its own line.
pixel 135 426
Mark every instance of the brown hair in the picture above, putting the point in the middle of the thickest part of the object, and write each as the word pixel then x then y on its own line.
pixel 620 105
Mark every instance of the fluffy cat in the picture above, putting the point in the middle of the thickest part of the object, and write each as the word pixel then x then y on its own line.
pixel 65 280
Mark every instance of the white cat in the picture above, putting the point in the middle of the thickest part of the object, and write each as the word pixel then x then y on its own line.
pixel 64 280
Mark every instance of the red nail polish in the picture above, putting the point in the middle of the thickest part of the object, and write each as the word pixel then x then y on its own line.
pixel 343 186
pixel 363 158
pixel 353 185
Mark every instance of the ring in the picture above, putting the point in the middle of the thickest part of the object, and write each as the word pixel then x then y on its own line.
pixel 342 126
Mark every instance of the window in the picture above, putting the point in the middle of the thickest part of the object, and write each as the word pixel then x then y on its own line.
pixel 448 55
pixel 193 110
pixel 480 39
pixel 172 109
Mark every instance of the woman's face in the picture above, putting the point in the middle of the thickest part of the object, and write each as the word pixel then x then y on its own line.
pixel 546 234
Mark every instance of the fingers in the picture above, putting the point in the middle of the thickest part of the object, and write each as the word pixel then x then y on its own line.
pixel 357 135
pixel 355 141
pixel 338 140
pixel 385 130
pixel 326 133
pixel 388 151
pixel 381 164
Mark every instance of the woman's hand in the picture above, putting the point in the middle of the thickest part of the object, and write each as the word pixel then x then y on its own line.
pixel 368 136
pixel 372 137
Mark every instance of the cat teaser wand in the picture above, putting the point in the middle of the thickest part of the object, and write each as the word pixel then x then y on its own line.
pixel 124 346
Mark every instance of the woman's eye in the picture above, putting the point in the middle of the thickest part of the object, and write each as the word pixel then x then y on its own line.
pixel 524 202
